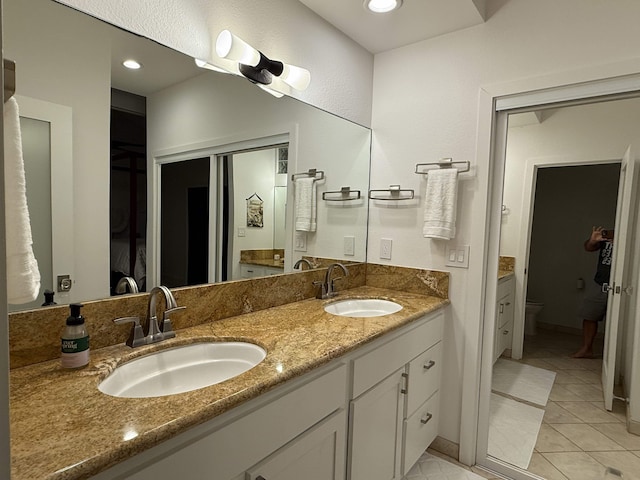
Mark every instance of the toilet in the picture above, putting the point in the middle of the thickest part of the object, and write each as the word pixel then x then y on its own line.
pixel 530 313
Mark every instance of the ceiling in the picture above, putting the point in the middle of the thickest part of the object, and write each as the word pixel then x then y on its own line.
pixel 416 20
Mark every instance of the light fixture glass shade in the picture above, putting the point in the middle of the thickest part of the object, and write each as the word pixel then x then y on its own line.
pixel 226 66
pixel 382 6
pixel 234 48
pixel 299 78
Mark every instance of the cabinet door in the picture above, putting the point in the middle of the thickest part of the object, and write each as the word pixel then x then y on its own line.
pixel 318 454
pixel 376 429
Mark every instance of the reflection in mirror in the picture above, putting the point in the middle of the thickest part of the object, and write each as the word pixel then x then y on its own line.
pixel 191 113
pixel 561 178
pixel 37 161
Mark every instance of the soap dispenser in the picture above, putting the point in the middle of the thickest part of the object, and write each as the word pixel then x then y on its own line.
pixel 75 340
pixel 48 298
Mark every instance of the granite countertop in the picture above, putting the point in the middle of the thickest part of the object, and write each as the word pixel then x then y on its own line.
pixel 269 262
pixel 505 273
pixel 63 427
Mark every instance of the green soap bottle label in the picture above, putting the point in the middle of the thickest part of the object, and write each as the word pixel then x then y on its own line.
pixel 75 345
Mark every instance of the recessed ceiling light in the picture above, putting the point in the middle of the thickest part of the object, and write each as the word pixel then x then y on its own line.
pixel 132 64
pixel 382 6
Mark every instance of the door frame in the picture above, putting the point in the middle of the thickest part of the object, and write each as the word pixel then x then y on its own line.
pixel 269 135
pixel 584 85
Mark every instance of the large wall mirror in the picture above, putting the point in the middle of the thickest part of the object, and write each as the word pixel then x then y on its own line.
pixel 172 147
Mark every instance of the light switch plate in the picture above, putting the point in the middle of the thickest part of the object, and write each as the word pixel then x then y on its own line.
pixel 349 245
pixel 457 256
pixel 300 242
pixel 241 232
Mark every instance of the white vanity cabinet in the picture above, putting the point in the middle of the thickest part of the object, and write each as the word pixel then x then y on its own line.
pixel 504 316
pixel 251 271
pixel 248 270
pixel 300 426
pixel 395 402
pixel 368 415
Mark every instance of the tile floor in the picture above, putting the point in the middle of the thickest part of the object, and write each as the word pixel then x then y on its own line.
pixel 578 438
pixel 433 465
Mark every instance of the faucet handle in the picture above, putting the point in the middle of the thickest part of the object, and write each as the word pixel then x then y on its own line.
pixel 166 328
pixel 136 337
pixel 322 291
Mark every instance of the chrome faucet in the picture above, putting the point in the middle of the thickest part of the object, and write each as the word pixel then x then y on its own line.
pixel 327 288
pixel 156 332
pixel 300 262
pixel 126 283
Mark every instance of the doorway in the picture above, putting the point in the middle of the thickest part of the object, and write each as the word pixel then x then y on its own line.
pixel 599 135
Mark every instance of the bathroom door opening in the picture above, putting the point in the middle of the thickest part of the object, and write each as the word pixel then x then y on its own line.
pixel 564 211
pixel 519 222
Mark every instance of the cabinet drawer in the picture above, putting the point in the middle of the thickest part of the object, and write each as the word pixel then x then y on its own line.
pixel 424 377
pixel 505 337
pixel 387 358
pixel 420 429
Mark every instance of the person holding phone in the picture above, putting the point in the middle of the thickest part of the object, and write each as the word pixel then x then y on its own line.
pixel 594 304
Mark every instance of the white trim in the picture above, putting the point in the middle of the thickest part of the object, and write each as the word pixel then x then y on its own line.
pixel 569 93
pixel 560 86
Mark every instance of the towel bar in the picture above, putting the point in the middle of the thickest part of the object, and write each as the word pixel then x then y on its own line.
pixel 312 172
pixel 443 163
pixel 344 195
pixel 394 192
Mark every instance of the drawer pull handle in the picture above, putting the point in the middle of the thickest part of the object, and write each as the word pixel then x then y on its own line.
pixel 506 332
pixel 429 364
pixel 425 418
pixel 260 477
pixel 405 389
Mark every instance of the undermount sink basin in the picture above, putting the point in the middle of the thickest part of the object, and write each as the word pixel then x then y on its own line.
pixel 182 369
pixel 362 307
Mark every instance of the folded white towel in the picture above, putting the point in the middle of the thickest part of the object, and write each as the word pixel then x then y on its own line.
pixel 305 204
pixel 440 204
pixel 23 276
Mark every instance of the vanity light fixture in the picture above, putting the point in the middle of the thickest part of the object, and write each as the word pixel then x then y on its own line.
pixel 382 6
pixel 132 64
pixel 258 68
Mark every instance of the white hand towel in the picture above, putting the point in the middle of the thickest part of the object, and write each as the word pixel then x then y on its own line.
pixel 23 276
pixel 305 204
pixel 440 204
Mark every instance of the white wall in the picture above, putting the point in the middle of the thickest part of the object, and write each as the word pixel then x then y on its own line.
pixel 425 106
pixel 341 70
pixel 34 39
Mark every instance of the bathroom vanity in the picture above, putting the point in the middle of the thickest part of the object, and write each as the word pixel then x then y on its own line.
pixel 307 411
pixel 504 315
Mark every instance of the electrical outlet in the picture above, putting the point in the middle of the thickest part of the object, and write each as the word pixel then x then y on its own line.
pixel 300 242
pixel 349 245
pixel 385 248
